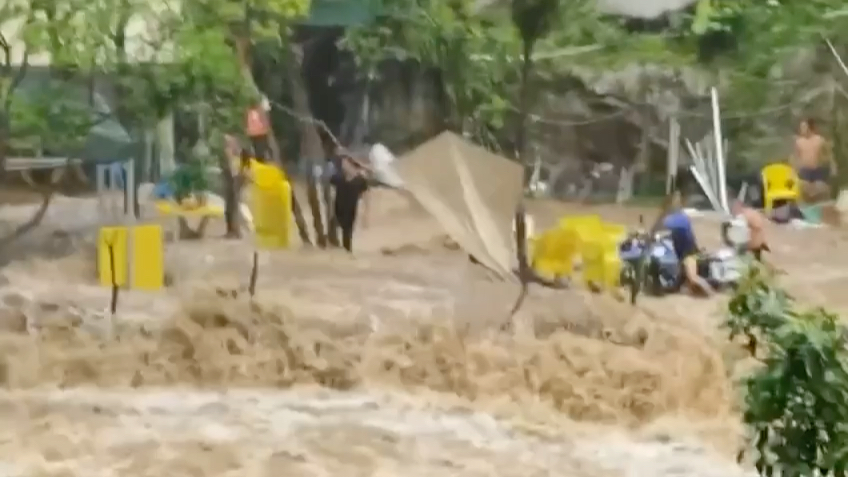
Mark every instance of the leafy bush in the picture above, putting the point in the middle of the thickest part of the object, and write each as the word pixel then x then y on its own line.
pixel 188 179
pixel 757 308
pixel 797 401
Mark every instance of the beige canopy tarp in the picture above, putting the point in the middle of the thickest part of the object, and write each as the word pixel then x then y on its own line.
pixel 472 192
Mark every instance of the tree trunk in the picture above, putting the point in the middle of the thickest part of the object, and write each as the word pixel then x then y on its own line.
pixel 332 224
pixel 524 270
pixel 311 147
pixel 642 164
pixel 33 222
pixel 11 85
pixel 273 145
pixel 521 147
pixel 119 39
pixel 625 184
pixel 232 188
pixel 4 143
pixel 524 109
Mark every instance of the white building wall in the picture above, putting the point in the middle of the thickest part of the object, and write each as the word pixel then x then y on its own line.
pixel 143 42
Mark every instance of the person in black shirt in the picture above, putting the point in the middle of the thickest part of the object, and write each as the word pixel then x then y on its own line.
pixel 350 184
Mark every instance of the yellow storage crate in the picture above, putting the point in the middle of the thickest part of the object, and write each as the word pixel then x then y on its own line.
pixel 146 263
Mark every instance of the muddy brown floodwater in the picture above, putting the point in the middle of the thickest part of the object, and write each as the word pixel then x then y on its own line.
pixel 372 365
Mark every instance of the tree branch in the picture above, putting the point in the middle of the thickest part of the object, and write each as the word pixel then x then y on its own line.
pixel 7 67
pixel 33 222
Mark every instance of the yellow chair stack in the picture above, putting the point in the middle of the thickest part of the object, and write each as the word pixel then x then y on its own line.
pixel 587 238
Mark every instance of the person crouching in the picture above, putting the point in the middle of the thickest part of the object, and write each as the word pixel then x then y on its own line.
pixel 756 223
pixel 685 245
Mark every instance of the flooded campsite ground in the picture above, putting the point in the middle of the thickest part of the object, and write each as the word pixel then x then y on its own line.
pixel 395 361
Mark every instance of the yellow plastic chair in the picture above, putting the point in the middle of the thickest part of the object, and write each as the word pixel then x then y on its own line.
pixel 780 183
pixel 602 264
pixel 554 252
pixel 542 259
pixel 614 232
pixel 587 228
pixel 581 222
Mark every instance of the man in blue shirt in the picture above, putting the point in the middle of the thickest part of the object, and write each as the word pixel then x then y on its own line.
pixel 685 245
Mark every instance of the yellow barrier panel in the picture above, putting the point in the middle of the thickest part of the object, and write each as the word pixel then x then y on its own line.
pixel 114 238
pixel 147 263
pixel 270 204
pixel 148 260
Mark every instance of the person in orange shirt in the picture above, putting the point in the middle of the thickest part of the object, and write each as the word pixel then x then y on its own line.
pixel 756 223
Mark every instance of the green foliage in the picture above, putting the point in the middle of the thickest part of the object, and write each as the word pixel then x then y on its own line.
pixel 60 121
pixel 757 308
pixel 185 59
pixel 796 403
pixel 534 18
pixel 54 112
pixel 259 19
pixel 190 178
pixel 473 55
pixel 476 52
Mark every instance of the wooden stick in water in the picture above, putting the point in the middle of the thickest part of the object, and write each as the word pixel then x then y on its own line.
pixel 254 275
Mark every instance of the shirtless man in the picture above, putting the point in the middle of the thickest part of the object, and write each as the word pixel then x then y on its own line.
pixel 813 159
pixel 756 223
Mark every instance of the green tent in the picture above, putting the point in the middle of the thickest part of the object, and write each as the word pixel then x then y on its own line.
pixel 340 13
pixel 106 140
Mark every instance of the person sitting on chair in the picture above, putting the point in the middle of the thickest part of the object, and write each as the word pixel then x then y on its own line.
pixel 685 245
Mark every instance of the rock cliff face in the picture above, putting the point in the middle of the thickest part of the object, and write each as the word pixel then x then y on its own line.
pixel 584 114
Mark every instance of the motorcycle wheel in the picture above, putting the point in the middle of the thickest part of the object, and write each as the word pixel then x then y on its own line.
pixel 653 283
pixel 636 280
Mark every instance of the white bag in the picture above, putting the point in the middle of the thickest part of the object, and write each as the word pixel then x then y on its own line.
pixel 382 162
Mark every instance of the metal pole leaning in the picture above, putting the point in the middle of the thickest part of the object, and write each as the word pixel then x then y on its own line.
pixel 100 173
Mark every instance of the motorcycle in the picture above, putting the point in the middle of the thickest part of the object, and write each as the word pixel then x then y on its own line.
pixel 661 273
pixel 651 264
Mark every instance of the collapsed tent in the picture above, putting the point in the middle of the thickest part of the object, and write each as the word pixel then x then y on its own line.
pixel 472 192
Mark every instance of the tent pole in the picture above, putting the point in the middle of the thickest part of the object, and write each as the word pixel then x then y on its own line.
pixel 719 153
